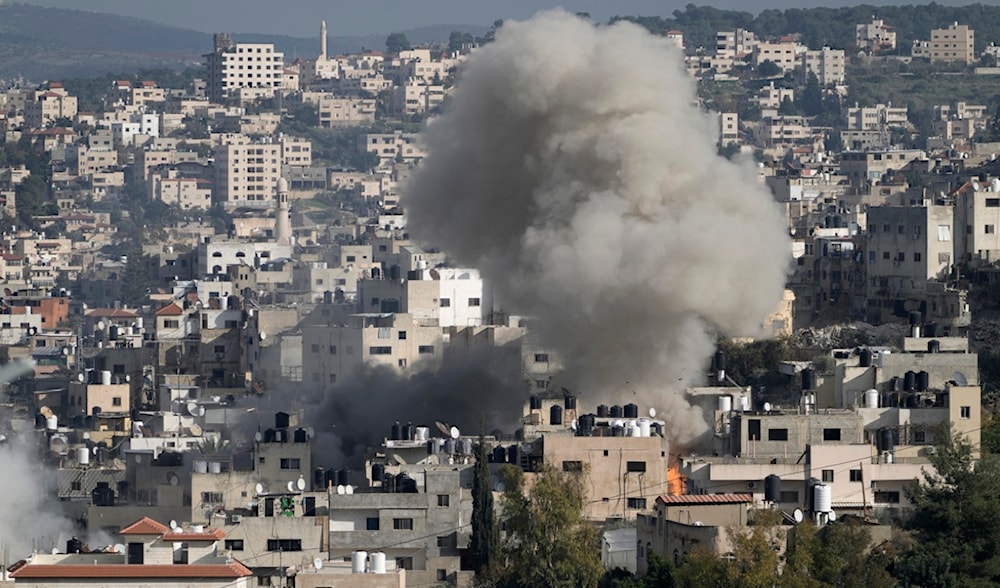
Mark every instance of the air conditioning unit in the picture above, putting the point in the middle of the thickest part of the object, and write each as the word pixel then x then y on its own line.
pixel 236 518
pixel 751 485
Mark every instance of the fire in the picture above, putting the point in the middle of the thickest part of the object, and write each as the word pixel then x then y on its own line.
pixel 676 482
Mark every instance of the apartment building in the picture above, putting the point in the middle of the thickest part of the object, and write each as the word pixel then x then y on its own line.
pixel 955 44
pixel 246 172
pixel 186 193
pixel 243 71
pixel 828 65
pixel 977 215
pixel 45 106
pixel 785 53
pixel 867 168
pixel 397 145
pixel 875 36
pixel 729 128
pixel 878 117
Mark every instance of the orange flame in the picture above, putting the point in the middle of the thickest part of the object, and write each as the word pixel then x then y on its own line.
pixel 676 482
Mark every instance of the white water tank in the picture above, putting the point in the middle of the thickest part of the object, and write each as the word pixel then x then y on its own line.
pixel 632 429
pixel 378 562
pixel 52 422
pixel 422 434
pixel 744 403
pixel 871 398
pixel 82 456
pixel 215 467
pixel 358 559
pixel 725 403
pixel 200 467
pixel 822 498
pixel 105 378
pixel 197 528
pixel 644 427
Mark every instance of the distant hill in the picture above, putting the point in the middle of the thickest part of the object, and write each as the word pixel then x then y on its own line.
pixel 51 43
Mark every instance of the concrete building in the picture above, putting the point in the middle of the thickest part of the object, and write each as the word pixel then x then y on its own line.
pixel 867 168
pixel 828 65
pixel 676 525
pixel 786 54
pixel 977 215
pixel 955 44
pixel 243 71
pixel 246 172
pixel 875 36
pixel 45 106
pixel 729 128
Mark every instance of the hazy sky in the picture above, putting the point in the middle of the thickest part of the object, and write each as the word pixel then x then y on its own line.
pixel 348 17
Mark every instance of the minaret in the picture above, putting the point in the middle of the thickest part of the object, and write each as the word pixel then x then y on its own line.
pixel 322 40
pixel 283 219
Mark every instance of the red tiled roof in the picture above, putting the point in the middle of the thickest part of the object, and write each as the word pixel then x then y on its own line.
pixel 145 526
pixel 170 310
pixel 231 570
pixel 705 499
pixel 213 535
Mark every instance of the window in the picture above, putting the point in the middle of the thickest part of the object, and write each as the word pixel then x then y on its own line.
pixel 636 503
pixel 473 302
pixel 989 229
pixel 777 434
pixel 380 350
pixel 887 498
pixel 635 466
pixel 314 348
pixel 901 256
pixel 919 437
pixel 446 541
pixel 965 412
pixel 993 203
pixel 444 500
pixel 371 524
pixel 425 349
pixel 442 575
pixel 116 401
pixel 827 475
pixel 170 324
pixel 211 498
pixel 402 335
pixel 333 350
pixel 404 563
pixel 402 524
pixel 234 544
pixel 917 256
pixel 284 545
pixel 855 475
pixel 886 255
pixel 219 348
pixel 541 358
pixel 789 496
pixel 572 466
pixel 290 463
pixel 831 434
pixel 445 302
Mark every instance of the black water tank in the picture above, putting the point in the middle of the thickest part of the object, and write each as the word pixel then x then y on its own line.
pixel 772 488
pixel 74 545
pixel 912 401
pixel 397 431
pixel 281 420
pixel 512 456
pixel 933 346
pixel 555 415
pixel 631 411
pixel 865 357
pixel 331 477
pixel 269 436
pixel 602 411
pixel 808 379
pixel 720 361
pixel 923 381
pixel 319 478
pixel 931 330
pixel 103 496
pixel 535 403
pixel 405 484
pixel 617 431
pixel 407 432
pixel 378 471
pixel 343 477
pixel 499 454
pixel 910 381
pixel 585 425
pixel 615 412
pixel 884 440
pixel 300 435
pixel 570 402
pixel 915 318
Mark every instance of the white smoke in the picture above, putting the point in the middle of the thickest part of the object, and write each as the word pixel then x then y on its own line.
pixel 573 167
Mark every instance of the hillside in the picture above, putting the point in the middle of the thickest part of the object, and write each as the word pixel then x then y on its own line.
pixel 50 43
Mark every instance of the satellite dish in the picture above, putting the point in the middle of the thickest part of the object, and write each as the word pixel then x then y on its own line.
pixel 55 551
pixel 572 424
pixel 192 408
pixel 442 427
pixel 263 335
pixel 767 407
pixel 67 351
pixel 173 525
pixel 310 432
pixel 318 563
pixel 173 479
pixel 832 516
pixel 300 483
pixel 960 379
pixel 138 459
pixel 455 433
pixel 100 325
pixel 94 449
pixel 46 411
pixel 348 489
pixel 291 486
pixel 398 459
pixel 196 429
pixel 652 413
pixel 340 489
pixel 797 515
pixel 80 378
pixel 259 488
pixel 120 548
pixel 258 437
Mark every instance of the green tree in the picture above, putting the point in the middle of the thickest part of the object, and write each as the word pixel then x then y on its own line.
pixel 811 101
pixel 485 541
pixel 768 69
pixel 548 544
pixel 135 279
pixel 956 520
pixel 397 42
pixel 458 39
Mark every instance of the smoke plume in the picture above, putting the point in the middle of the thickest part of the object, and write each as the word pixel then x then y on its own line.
pixel 574 169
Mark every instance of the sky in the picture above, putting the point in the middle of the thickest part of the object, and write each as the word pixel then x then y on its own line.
pixel 300 18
